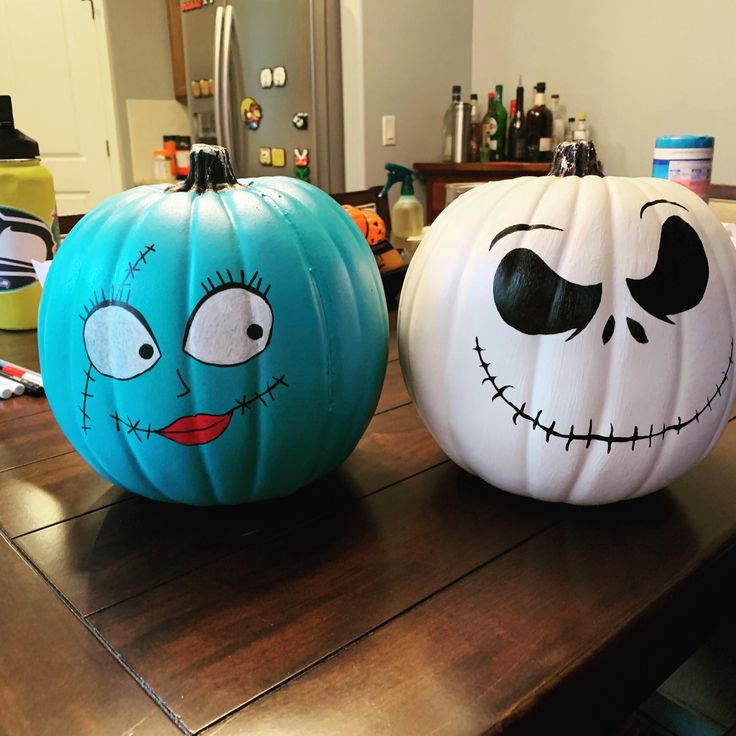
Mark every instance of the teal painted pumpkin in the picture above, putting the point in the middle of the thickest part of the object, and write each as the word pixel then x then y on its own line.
pixel 220 342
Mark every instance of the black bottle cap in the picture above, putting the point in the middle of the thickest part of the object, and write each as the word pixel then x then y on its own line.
pixel 13 144
pixel 456 89
pixel 541 86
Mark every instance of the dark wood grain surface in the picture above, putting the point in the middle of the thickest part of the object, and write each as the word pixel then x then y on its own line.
pixel 398 595
pixel 55 676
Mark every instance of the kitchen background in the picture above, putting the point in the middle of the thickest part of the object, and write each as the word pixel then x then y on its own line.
pixel 85 85
pixel 93 82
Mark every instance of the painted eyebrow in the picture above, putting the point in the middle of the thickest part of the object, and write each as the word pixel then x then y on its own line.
pixel 516 228
pixel 661 201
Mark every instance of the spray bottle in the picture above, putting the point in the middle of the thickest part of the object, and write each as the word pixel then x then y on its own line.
pixel 407 215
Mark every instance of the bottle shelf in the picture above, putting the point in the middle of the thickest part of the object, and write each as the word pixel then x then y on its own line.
pixel 438 175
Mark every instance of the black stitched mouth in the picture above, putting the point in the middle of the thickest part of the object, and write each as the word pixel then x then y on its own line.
pixel 125 424
pixel 589 436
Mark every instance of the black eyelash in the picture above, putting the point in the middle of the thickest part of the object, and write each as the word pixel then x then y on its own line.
pixel 117 295
pixel 252 285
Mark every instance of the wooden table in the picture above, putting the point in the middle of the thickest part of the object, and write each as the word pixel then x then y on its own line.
pixel 397 596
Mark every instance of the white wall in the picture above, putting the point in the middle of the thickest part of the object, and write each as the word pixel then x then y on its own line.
pixel 400 57
pixel 638 69
pixel 140 56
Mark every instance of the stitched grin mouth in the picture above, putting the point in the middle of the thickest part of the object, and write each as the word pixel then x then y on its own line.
pixel 610 439
pixel 198 429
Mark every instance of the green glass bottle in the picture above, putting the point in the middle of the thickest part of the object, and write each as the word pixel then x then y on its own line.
pixel 502 119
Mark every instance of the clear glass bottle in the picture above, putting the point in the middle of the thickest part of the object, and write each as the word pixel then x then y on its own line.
pixel 447 125
pixel 581 131
pixel 558 121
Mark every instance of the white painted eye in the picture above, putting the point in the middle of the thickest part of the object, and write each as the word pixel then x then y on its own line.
pixel 119 342
pixel 229 326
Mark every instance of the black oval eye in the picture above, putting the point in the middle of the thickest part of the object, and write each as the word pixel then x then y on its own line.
pixel 533 299
pixel 680 275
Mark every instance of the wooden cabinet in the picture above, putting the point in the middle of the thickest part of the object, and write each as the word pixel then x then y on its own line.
pixel 177 51
pixel 437 175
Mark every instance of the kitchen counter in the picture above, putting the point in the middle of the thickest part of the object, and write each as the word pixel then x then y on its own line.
pixel 398 595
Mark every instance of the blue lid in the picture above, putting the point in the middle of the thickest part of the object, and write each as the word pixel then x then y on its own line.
pixel 684 141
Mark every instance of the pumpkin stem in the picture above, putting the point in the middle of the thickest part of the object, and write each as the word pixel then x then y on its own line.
pixel 209 171
pixel 576 158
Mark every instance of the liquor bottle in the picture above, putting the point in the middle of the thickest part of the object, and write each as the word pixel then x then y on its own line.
pixel 475 130
pixel 502 119
pixel 539 128
pixel 474 112
pixel 517 128
pixel 558 122
pixel 447 125
pixel 489 130
pixel 570 129
pixel 581 131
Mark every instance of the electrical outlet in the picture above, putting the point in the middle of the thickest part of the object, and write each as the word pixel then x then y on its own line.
pixel 388 125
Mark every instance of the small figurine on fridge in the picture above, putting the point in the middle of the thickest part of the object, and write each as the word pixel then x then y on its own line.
pixel 301 163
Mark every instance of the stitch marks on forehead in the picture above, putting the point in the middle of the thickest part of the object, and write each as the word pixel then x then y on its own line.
pixel 135 266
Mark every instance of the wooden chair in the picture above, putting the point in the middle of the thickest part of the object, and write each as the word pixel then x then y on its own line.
pixel 367 199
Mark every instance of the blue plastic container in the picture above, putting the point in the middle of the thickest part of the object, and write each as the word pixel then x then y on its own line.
pixel 686 159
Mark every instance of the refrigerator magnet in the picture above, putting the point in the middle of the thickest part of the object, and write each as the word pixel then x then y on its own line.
pixel 301 163
pixel 264 156
pixel 266 77
pixel 278 157
pixel 279 76
pixel 300 120
pixel 251 113
pixel 301 172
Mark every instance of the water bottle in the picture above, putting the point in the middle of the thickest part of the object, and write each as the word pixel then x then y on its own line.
pixel 28 223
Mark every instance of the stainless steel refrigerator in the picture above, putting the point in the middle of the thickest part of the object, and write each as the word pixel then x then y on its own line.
pixel 264 79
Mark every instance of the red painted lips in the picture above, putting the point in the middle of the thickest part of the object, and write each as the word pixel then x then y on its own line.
pixel 197 429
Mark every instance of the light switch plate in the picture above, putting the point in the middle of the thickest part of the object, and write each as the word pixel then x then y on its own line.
pixel 388 124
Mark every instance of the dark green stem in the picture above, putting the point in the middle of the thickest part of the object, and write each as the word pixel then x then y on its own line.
pixel 209 171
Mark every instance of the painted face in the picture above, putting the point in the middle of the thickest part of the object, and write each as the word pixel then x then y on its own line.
pixel 223 354
pixel 230 325
pixel 600 338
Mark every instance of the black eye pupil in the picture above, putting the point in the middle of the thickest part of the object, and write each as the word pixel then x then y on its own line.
pixel 254 332
pixel 145 351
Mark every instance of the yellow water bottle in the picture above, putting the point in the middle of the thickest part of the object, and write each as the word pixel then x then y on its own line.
pixel 28 223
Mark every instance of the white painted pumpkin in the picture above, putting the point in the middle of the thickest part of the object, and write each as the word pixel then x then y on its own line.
pixel 572 339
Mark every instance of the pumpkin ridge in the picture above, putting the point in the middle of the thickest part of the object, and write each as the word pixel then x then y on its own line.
pixel 610 439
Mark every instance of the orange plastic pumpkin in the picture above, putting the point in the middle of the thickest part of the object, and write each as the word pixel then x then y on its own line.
pixel 369 223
